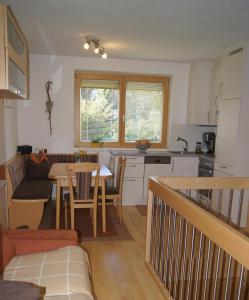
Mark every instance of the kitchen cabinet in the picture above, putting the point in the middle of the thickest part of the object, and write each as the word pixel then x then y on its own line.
pixel 227 132
pixel 139 168
pixel 202 106
pixel 184 166
pixel 133 187
pixel 14 61
pixel 156 166
pixel 232 75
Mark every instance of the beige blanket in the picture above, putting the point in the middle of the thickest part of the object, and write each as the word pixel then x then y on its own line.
pixel 64 272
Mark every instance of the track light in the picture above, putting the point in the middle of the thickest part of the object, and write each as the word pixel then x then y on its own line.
pixel 98 49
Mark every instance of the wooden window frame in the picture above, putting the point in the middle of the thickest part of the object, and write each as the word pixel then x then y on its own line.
pixel 123 79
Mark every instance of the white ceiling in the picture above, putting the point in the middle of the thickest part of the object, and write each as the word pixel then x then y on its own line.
pixel 178 30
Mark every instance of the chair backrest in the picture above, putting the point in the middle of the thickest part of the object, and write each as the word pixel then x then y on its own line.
pixel 120 173
pixel 80 177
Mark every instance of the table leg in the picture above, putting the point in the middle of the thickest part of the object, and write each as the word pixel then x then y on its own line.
pixel 58 203
pixel 103 205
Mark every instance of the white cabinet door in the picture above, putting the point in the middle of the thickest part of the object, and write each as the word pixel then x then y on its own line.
pixel 199 103
pixel 183 166
pixel 231 76
pixel 133 191
pixel 133 180
pixel 155 170
pixel 134 170
pixel 226 139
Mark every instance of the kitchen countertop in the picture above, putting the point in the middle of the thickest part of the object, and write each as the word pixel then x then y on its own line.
pixel 207 156
pixel 138 153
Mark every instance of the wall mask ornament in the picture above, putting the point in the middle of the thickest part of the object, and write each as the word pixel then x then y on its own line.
pixel 49 104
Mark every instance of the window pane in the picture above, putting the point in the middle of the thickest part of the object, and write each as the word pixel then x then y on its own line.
pixel 144 111
pixel 99 110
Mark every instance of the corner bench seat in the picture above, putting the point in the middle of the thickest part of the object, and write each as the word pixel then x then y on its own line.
pixel 64 272
pixel 26 197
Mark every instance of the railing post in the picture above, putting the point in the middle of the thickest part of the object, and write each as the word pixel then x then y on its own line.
pixel 149 219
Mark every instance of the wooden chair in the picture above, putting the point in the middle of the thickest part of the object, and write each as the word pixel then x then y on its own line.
pixel 81 195
pixel 113 190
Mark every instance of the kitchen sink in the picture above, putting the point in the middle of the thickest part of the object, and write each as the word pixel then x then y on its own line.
pixel 182 153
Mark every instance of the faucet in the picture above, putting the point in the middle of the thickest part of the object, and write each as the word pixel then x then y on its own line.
pixel 186 144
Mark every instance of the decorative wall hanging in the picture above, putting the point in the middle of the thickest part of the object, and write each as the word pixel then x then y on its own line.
pixel 49 104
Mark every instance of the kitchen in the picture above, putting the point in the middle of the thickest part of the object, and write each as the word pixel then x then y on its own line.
pixel 204 103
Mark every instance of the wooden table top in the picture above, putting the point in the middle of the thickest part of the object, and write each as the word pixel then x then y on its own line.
pixel 59 170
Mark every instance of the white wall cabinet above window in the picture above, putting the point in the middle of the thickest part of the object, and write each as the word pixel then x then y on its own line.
pixel 202 105
pixel 14 72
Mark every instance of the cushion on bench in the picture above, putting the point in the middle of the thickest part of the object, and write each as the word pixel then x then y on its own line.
pixel 17 171
pixel 64 272
pixel 33 189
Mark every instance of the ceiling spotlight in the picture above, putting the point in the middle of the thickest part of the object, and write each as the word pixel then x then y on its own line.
pixel 96 49
pixel 87 44
pixel 104 55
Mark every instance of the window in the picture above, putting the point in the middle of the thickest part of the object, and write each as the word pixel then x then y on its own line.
pixel 118 110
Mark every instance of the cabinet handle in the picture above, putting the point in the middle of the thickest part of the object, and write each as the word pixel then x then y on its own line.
pixel 209 116
pixel 221 89
pixel 216 102
pixel 223 167
pixel 131 158
pixel 173 165
pixel 131 166
pixel 131 180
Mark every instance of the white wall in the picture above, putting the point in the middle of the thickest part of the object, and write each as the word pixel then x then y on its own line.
pixel 33 122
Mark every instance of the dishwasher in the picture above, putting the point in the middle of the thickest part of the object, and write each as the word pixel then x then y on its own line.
pixel 156 165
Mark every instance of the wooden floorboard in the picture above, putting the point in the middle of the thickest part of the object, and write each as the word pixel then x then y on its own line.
pixel 118 267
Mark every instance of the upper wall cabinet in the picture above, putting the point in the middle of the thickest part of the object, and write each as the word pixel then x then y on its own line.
pixel 14 72
pixel 202 106
pixel 231 75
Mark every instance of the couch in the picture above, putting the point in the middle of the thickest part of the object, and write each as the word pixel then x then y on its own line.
pixel 27 195
pixel 47 258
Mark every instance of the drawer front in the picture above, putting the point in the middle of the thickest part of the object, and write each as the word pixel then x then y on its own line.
pixel 224 168
pixel 134 170
pixel 132 190
pixel 134 159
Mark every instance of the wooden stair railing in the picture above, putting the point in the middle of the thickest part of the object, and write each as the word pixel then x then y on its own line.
pixel 196 250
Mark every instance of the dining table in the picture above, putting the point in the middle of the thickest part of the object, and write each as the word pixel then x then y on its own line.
pixel 58 173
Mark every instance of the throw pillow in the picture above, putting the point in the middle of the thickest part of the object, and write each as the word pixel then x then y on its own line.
pixel 36 170
pixel 38 158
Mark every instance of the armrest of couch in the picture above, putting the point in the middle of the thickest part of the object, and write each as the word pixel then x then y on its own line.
pixel 33 241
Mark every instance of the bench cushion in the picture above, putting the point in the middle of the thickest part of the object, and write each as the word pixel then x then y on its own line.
pixel 17 171
pixel 64 272
pixel 33 189
pixel 36 170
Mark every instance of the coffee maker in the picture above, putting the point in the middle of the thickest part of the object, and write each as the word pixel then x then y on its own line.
pixel 208 139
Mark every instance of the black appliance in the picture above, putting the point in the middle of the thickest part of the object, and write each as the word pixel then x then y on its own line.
pixel 24 149
pixel 206 169
pixel 209 140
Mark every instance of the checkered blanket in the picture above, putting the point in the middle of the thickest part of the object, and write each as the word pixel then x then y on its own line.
pixel 64 272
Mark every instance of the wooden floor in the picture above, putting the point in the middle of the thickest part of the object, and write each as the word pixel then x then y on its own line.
pixel 118 268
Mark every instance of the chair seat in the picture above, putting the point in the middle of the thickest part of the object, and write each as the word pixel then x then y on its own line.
pixel 109 190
